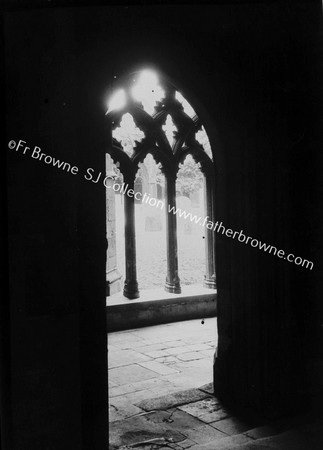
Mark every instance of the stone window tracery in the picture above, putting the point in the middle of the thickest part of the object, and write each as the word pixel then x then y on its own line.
pixel 154 130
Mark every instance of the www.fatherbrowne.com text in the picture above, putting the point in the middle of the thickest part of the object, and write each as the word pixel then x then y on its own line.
pixel 214 226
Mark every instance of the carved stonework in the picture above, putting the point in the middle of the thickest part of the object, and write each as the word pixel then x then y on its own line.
pixel 128 134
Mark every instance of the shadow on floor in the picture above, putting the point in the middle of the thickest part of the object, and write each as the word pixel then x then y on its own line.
pixel 195 419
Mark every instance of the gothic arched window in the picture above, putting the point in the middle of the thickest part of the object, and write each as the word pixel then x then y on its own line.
pixel 155 135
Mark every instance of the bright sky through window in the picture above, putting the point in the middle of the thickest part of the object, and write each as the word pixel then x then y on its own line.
pixel 186 106
pixel 169 129
pixel 203 139
pixel 147 91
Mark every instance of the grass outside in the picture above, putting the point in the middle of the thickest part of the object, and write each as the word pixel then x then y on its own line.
pixel 151 259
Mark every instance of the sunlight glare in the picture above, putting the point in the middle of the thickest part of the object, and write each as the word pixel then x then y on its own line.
pixel 117 101
pixel 147 90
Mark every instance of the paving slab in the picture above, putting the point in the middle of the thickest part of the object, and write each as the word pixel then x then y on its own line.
pixel 123 337
pixel 113 348
pixel 261 432
pixel 184 380
pixel 125 358
pixel 187 443
pixel 118 391
pixel 175 446
pixel 143 428
pixel 208 353
pixel 205 434
pixel 207 388
pixel 289 440
pixel 177 350
pixel 158 385
pixel 172 400
pixel 151 446
pixel 154 353
pixel 232 425
pixel 158 367
pixel 138 396
pixel 207 410
pixel 112 384
pixel 190 356
pixel 199 347
pixel 172 344
pixel 160 332
pixel 167 360
pixel 174 419
pixel 130 374
pixel 193 338
pixel 227 443
pixel 202 363
pixel 146 346
pixel 119 411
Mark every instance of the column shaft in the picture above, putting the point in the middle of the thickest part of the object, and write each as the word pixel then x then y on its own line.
pixel 209 277
pixel 172 280
pixel 113 277
pixel 131 284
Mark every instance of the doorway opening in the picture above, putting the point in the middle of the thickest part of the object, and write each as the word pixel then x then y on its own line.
pixel 161 282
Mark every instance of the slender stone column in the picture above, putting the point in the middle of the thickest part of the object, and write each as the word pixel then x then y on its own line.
pixel 130 289
pixel 172 280
pixel 209 277
pixel 113 277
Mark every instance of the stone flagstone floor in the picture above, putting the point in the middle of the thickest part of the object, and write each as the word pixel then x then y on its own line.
pixel 160 397
pixel 153 361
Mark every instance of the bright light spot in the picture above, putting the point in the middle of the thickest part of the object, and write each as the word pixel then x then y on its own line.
pixel 148 78
pixel 147 91
pixel 117 101
pixel 186 106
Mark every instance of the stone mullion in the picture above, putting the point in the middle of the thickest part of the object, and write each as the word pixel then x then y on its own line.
pixel 113 277
pixel 210 276
pixel 172 280
pixel 131 284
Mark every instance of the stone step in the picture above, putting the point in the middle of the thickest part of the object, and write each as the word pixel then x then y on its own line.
pixel 155 307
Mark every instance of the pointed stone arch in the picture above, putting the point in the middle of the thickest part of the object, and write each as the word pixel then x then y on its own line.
pixel 160 122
